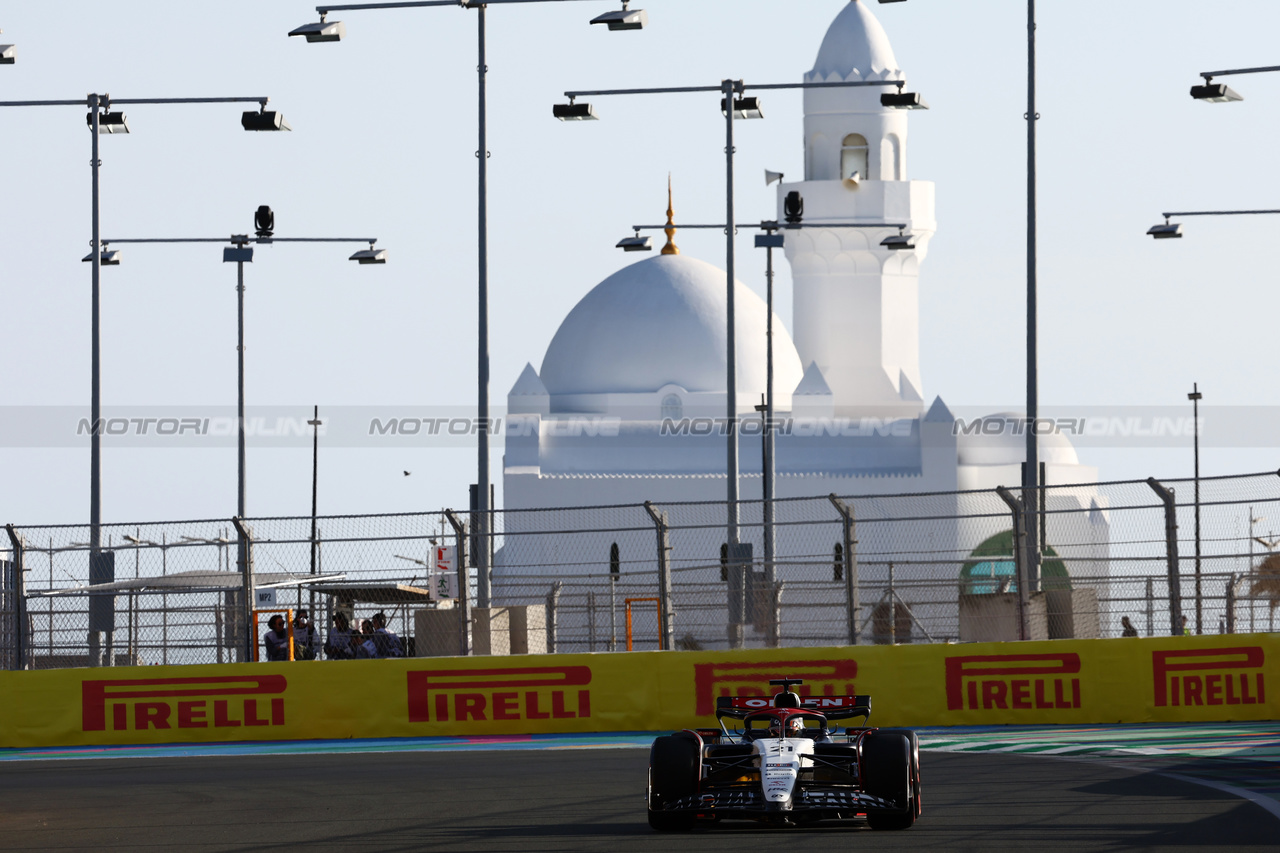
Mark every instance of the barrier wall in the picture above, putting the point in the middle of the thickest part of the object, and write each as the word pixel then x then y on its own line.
pixel 1066 681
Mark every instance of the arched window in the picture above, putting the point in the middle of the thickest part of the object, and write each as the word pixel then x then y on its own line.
pixel 672 407
pixel 837 567
pixel 853 158
pixel 891 157
pixel 615 562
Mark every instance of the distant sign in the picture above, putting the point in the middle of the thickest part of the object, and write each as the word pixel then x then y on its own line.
pixel 443 580
pixel 265 598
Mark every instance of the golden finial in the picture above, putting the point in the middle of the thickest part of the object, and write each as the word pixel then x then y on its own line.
pixel 670 248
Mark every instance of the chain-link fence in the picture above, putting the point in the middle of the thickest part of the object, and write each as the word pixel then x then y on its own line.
pixel 1129 558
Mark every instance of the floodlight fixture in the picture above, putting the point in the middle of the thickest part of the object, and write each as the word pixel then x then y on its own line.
pixel 771 178
pixel 1215 93
pixel 744 107
pixel 109 122
pixel 108 258
pixel 264 119
pixel 635 244
pixel 1166 231
pixel 322 30
pixel 264 221
pixel 903 101
pixel 370 255
pixel 900 242
pixel 575 112
pixel 624 19
pixel 8 54
pixel 793 207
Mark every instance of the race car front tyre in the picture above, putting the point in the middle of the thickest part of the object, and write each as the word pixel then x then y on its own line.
pixel 891 773
pixel 673 775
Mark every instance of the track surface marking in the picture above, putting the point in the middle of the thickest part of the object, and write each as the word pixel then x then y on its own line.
pixel 574 800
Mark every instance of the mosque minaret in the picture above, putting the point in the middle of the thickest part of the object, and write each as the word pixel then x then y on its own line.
pixel 856 303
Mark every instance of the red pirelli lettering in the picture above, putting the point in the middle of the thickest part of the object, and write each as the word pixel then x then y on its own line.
pixel 999 674
pixel 96 694
pixel 1214 682
pixel 481 694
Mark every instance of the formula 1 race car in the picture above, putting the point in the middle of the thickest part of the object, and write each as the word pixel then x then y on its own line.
pixel 786 766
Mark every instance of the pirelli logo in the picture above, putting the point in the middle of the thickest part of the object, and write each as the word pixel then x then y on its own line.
pixel 821 678
pixel 1013 682
pixel 1226 676
pixel 139 704
pixel 516 693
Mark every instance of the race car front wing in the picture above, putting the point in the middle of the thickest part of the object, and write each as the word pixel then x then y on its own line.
pixel 746 802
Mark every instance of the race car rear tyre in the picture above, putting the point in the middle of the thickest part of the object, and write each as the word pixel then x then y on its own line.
pixel 891 768
pixel 673 775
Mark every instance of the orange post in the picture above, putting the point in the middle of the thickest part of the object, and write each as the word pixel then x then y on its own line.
pixel 288 627
pixel 655 601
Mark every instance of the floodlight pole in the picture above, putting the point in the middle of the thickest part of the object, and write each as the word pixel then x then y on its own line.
pixel 1031 484
pixel 482 522
pixel 240 466
pixel 95 392
pixel 240 241
pixel 95 102
pixel 728 89
pixel 483 517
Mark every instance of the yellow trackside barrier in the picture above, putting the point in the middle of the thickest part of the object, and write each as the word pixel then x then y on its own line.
pixel 1063 681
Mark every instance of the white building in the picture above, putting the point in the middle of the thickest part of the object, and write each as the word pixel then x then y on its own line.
pixel 627 403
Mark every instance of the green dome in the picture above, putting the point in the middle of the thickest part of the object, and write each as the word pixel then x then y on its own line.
pixel 990 568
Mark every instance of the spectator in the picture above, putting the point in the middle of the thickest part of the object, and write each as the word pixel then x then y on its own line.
pixel 304 637
pixel 339 645
pixel 366 646
pixel 277 639
pixel 1186 629
pixel 1129 630
pixel 389 645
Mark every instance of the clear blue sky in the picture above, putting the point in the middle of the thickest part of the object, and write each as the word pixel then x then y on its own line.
pixel 383 145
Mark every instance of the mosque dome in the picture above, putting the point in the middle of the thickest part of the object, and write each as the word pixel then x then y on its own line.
pixel 1008 446
pixel 855 47
pixel 660 322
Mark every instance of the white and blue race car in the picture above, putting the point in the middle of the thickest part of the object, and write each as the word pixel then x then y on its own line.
pixel 786 765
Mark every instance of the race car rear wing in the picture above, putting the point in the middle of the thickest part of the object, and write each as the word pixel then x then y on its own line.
pixel 831 707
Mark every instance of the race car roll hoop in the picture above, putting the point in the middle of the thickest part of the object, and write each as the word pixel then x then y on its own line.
pixel 786 765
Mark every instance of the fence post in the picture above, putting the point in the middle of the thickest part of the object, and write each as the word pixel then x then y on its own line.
pixel 591 620
pixel 775 633
pixel 19 598
pixel 666 615
pixel 464 585
pixel 1231 604
pixel 245 549
pixel 852 591
pixel 1171 554
pixel 553 604
pixel 1151 607
pixel 1020 560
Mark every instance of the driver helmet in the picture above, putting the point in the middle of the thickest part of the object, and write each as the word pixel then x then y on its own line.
pixel 793 727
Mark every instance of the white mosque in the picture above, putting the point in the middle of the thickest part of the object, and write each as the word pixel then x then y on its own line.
pixel 622 408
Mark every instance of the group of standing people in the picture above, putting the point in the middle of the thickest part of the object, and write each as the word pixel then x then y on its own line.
pixel 372 639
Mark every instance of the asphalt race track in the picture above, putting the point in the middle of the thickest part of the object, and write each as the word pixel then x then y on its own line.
pixel 575 800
